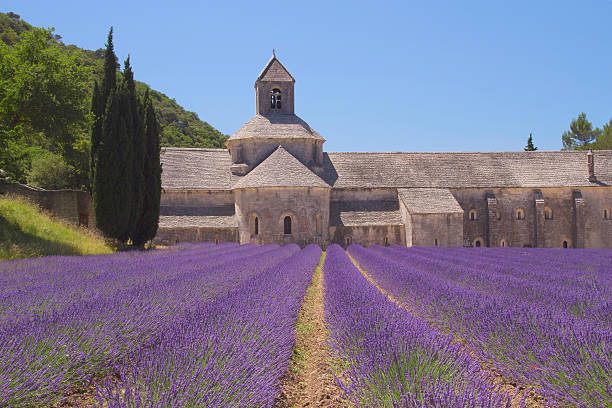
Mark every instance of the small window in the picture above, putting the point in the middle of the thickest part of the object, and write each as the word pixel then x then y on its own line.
pixel 607 213
pixel 318 223
pixel 502 243
pixel 520 214
pixel 287 225
pixel 565 244
pixel 473 215
pixel 436 242
pixel 256 225
pixel 348 240
pixel 275 98
pixel 477 244
pixel 548 213
pixel 216 240
pixel 386 241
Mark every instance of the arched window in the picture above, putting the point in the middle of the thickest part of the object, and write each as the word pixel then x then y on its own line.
pixel 275 98
pixel 216 240
pixel 318 223
pixel 287 225
pixel 548 213
pixel 436 242
pixel 502 243
pixel 473 215
pixel 520 214
pixel 478 242
pixel 565 244
pixel 607 213
pixel 256 225
pixel 386 241
pixel 348 240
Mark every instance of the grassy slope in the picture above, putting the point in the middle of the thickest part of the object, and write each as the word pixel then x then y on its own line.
pixel 25 231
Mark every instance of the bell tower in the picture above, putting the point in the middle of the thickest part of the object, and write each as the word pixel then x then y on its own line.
pixel 274 89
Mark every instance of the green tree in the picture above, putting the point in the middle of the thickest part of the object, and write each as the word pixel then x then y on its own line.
pixel 50 171
pixel 581 134
pixel 149 220
pixel 604 139
pixel 43 102
pixel 530 147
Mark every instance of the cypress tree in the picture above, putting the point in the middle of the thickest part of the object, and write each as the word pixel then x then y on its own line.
pixel 530 147
pixel 112 196
pixel 149 220
pixel 135 124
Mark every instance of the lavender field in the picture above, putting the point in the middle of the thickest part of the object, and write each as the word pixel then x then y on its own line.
pixel 204 325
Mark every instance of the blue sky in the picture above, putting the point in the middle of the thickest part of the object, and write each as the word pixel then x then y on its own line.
pixel 371 76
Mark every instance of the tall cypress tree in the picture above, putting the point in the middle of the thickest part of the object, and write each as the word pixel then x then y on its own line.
pixel 135 125
pixel 149 220
pixel 112 195
pixel 100 98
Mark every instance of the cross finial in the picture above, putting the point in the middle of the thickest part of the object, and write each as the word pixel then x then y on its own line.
pixel 273 52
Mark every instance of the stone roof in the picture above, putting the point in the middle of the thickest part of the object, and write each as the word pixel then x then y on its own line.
pixel 280 169
pixel 209 169
pixel 190 221
pixel 195 169
pixel 181 210
pixel 276 126
pixel 361 213
pixel 429 200
pixel 466 170
pixel 275 71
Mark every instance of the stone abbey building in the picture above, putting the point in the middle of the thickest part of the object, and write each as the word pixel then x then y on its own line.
pixel 275 184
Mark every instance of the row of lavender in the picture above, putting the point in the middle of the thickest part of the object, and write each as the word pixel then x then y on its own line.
pixel 387 357
pixel 201 323
pixel 541 316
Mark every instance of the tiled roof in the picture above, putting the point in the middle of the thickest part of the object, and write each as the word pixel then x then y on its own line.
pixel 190 221
pixel 465 170
pixel 280 169
pixel 360 213
pixel 179 210
pixel 429 200
pixel 195 169
pixel 275 71
pixel 209 169
pixel 276 126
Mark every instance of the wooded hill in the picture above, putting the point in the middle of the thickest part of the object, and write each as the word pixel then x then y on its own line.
pixel 179 127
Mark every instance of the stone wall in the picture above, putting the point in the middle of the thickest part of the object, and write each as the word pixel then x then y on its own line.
pixel 171 236
pixel 254 151
pixel 74 206
pixel 308 208
pixel 197 198
pixel 368 235
pixel 551 216
pixel 437 229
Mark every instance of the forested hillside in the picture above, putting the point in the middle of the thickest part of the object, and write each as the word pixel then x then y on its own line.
pixel 45 98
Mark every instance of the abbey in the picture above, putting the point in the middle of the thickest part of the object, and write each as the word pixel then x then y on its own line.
pixel 275 184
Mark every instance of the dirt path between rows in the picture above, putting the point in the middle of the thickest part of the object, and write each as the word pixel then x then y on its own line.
pixel 512 388
pixel 309 382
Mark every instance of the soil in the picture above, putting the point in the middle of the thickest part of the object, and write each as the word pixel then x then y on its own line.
pixel 512 388
pixel 309 382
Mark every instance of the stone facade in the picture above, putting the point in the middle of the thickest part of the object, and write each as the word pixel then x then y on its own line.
pixel 275 184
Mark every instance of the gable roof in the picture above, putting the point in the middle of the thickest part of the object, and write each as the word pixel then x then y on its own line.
pixel 276 126
pixel 360 213
pixel 429 200
pixel 195 169
pixel 274 71
pixel 466 170
pixel 280 169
